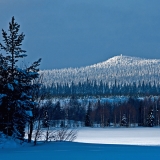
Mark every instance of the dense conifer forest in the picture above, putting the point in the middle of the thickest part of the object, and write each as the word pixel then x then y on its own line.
pixel 92 88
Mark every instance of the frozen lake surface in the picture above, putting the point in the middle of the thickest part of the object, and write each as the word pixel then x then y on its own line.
pixel 126 136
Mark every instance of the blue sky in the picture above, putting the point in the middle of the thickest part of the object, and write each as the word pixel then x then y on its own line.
pixel 74 33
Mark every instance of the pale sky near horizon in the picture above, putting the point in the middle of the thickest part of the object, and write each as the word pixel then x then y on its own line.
pixel 75 33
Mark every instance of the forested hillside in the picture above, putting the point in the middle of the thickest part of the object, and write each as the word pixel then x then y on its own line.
pixel 120 75
pixel 123 69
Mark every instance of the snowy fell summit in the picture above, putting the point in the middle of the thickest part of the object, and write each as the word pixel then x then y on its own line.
pixel 123 69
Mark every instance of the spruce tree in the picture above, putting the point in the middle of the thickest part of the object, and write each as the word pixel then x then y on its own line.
pixel 124 120
pixel 17 83
pixel 88 122
pixel 57 111
pixel 45 120
pixel 150 119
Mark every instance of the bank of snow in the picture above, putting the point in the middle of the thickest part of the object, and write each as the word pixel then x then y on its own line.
pixel 94 144
pixel 80 151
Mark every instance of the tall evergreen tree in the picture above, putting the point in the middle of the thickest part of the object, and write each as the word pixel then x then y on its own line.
pixel 17 83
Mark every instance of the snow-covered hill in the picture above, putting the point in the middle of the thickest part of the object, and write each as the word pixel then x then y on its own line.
pixel 124 69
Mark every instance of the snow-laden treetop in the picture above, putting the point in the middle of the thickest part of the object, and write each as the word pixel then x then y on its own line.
pixel 121 68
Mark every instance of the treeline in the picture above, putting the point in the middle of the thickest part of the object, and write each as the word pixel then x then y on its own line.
pixel 134 112
pixel 90 88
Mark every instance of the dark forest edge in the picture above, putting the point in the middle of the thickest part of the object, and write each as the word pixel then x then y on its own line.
pixel 96 113
pixel 102 89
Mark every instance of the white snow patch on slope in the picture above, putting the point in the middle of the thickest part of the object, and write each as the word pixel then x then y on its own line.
pixel 124 69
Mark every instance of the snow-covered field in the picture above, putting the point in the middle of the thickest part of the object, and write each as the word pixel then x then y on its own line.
pixel 94 144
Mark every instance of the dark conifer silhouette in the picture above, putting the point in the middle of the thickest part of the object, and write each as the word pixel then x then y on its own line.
pixel 16 83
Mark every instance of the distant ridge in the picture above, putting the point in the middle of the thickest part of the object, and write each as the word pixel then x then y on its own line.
pixel 123 69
